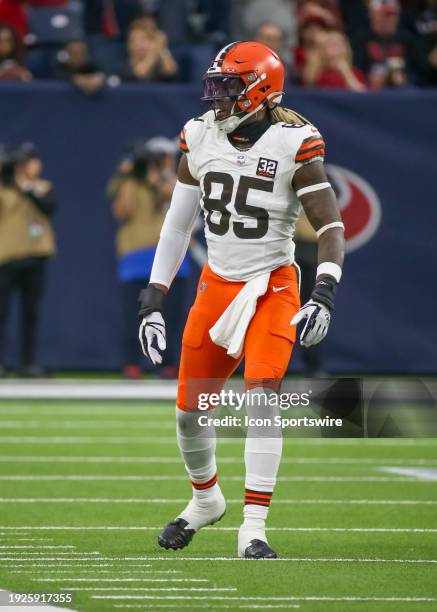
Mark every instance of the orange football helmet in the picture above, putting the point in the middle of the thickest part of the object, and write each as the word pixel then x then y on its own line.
pixel 251 74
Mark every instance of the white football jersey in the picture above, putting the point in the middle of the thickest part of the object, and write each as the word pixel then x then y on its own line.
pixel 249 205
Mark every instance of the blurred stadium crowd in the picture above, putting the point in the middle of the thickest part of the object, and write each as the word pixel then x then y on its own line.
pixel 360 45
pixel 349 44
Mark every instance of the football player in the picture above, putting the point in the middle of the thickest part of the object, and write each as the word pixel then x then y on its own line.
pixel 250 165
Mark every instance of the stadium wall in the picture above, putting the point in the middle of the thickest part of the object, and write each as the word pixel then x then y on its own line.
pixel 382 155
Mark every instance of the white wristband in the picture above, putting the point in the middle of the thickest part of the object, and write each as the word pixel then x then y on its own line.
pixel 328 267
pixel 310 188
pixel 328 226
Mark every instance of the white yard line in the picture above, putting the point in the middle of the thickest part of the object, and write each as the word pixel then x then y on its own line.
pixel 214 528
pixel 203 606
pixel 88 390
pixel 130 440
pixel 419 473
pixel 294 559
pixel 145 500
pixel 108 440
pixel 143 589
pixel 55 558
pixel 196 606
pixel 55 565
pixel 102 478
pixel 268 597
pixel 145 423
pixel 100 571
pixel 142 411
pixel 58 552
pixel 46 440
pixel 32 539
pixel 430 441
pixel 264 607
pixel 358 598
pixel 224 459
pixel 124 579
pixel 31 546
pixel 93 459
pixel 158 477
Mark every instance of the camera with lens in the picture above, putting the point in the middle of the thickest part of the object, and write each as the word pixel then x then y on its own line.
pixel 141 159
pixel 11 156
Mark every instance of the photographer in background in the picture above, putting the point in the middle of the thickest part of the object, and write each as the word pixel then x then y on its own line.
pixel 26 243
pixel 141 191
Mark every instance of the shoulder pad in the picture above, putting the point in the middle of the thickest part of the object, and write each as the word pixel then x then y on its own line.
pixel 311 145
pixel 192 134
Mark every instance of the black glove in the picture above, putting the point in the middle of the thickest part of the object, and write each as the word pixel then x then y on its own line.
pixel 152 325
pixel 317 311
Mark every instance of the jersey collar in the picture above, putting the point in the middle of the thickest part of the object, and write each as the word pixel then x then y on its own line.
pixel 249 134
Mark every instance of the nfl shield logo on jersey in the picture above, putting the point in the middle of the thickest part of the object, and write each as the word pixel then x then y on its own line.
pixel 241 160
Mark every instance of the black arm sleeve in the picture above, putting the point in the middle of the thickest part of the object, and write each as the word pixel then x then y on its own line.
pixel 151 299
pixel 325 290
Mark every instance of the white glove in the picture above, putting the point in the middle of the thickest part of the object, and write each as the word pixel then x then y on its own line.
pixel 153 327
pixel 318 319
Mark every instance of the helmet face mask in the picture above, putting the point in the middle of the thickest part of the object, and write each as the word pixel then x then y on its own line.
pixel 222 86
pixel 222 92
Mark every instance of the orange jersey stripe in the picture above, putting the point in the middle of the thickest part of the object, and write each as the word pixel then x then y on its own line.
pixel 183 142
pixel 315 153
pixel 312 143
pixel 311 150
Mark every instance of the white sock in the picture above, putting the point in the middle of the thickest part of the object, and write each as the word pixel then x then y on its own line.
pixel 262 455
pixel 197 446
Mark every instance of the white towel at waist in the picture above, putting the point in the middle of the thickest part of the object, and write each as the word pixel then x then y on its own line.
pixel 230 329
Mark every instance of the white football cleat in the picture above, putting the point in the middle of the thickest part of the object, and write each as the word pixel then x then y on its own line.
pixel 201 512
pixel 252 541
pixel 198 513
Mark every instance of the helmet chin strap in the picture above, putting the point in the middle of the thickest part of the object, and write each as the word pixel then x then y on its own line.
pixel 231 123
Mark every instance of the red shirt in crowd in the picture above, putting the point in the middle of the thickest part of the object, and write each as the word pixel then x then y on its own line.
pixel 335 78
pixel 13 12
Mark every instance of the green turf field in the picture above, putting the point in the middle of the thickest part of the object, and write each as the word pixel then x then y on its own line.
pixel 86 487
